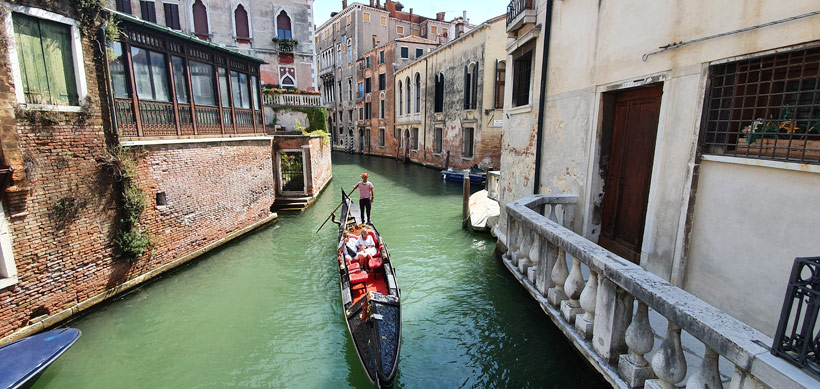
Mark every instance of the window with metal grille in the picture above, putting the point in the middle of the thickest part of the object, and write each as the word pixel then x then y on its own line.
pixel 765 108
pixel 437 141
pixel 148 11
pixel 172 16
pixel 522 66
pixel 467 143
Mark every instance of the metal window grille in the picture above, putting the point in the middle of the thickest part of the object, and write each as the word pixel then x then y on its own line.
pixel 765 108
pixel 797 339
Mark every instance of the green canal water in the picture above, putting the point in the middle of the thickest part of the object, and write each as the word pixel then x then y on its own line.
pixel 264 310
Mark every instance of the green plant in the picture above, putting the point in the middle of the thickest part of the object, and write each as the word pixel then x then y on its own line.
pixel 130 244
pixel 130 241
pixel 38 118
pixel 322 133
pixel 285 45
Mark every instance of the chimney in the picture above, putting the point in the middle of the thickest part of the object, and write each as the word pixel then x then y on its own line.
pixel 464 16
pixel 371 3
pixel 344 4
pixel 440 16
pixel 379 4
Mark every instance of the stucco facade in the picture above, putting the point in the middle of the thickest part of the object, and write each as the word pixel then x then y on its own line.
pixel 450 114
pixel 696 233
pixel 286 67
pixel 345 38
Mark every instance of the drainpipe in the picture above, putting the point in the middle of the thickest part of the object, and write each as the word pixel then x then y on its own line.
pixel 542 99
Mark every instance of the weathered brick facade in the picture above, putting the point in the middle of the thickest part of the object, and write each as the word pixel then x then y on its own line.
pixel 61 209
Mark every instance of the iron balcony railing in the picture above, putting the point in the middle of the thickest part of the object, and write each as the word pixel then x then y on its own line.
pixel 516 7
pixel 797 332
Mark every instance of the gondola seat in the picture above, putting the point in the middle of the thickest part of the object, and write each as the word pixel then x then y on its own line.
pixel 357 276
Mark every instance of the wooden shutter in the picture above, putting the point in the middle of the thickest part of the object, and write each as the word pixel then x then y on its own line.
pixel 124 6
pixel 200 18
pixel 56 40
pixel 148 11
pixel 46 61
pixel 172 16
pixel 467 84
pixel 30 58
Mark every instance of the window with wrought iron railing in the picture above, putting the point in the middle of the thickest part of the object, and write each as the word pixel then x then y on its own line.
pixel 765 108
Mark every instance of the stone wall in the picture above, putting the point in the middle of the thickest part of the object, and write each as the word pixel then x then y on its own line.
pixel 316 160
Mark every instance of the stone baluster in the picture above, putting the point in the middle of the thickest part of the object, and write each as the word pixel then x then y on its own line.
pixel 613 314
pixel 553 214
pixel 515 241
pixel 708 376
pixel 668 363
pixel 584 323
pixel 534 257
pixel 573 286
pixel 633 367
pixel 523 247
pixel 559 274
pixel 543 278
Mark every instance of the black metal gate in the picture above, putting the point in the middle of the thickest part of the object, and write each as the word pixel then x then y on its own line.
pixel 798 334
pixel 293 179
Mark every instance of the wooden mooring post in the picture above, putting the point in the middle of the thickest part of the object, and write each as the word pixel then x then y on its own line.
pixel 465 207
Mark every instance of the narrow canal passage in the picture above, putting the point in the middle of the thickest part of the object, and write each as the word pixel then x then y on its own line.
pixel 264 310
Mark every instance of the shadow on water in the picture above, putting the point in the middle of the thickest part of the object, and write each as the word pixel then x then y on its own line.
pixel 264 310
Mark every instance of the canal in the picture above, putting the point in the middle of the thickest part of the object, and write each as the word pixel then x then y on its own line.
pixel 264 310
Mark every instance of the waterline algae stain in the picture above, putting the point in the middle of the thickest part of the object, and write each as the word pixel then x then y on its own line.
pixel 262 311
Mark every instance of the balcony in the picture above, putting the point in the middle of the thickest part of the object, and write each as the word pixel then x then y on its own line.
pixel 603 303
pixel 292 100
pixel 519 14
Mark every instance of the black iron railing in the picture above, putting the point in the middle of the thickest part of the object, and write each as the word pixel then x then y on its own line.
pixel 516 7
pixel 796 339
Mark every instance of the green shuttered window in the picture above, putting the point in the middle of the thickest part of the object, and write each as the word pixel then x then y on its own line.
pixel 46 61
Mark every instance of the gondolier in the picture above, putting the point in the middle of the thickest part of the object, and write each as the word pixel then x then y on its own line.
pixel 366 197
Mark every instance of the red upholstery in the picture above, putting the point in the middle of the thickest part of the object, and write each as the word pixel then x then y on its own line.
pixel 357 276
pixel 353 266
pixel 375 262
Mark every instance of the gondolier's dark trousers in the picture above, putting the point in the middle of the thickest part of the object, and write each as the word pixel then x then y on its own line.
pixel 364 208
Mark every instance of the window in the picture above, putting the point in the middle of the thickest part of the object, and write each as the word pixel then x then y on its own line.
pixel 383 21
pixel 202 84
pixel 172 16
pixel 437 132
pixel 361 113
pixel 381 56
pixel 397 133
pixel 415 32
pixel 367 85
pixel 350 49
pixel 367 62
pixel 200 18
pixel 283 28
pixel 522 67
pixel 439 94
pixel 367 138
pixel 148 11
pixel 405 52
pixel 400 98
pixel 350 115
pixel 470 85
pixel 419 52
pixel 367 108
pixel 434 30
pixel 381 137
pixel 414 139
pixel 350 89
pixel 255 92
pixel 239 87
pixel 340 91
pixel 500 68
pixel 417 93
pixel 119 77
pixel 180 80
pixel 381 109
pixel 339 51
pixel 399 29
pixel 349 18
pixel 240 17
pixel 407 82
pixel 765 108
pixel 46 61
pixel 366 17
pixel 381 81
pixel 223 88
pixel 360 94
pixel 150 75
pixel 467 143
pixel 124 6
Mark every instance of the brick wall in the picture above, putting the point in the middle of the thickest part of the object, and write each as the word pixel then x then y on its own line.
pixel 62 206
pixel 319 164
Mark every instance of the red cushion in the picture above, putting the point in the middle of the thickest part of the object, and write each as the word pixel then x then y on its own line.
pixel 375 262
pixel 357 276
pixel 353 266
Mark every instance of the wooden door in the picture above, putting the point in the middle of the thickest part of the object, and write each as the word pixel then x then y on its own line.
pixel 628 175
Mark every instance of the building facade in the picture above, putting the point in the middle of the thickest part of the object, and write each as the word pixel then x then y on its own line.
pixel 681 157
pixel 449 102
pixel 343 39
pixel 110 152
pixel 375 98
pixel 278 32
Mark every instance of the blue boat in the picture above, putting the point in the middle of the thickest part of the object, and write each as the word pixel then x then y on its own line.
pixel 458 175
pixel 22 362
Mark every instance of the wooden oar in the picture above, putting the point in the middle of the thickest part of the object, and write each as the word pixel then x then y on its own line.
pixel 329 216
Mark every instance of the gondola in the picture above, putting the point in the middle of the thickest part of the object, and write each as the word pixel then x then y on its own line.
pixel 370 299
pixel 24 361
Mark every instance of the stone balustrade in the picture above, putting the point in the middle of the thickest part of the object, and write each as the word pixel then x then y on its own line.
pixel 606 315
pixel 293 100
